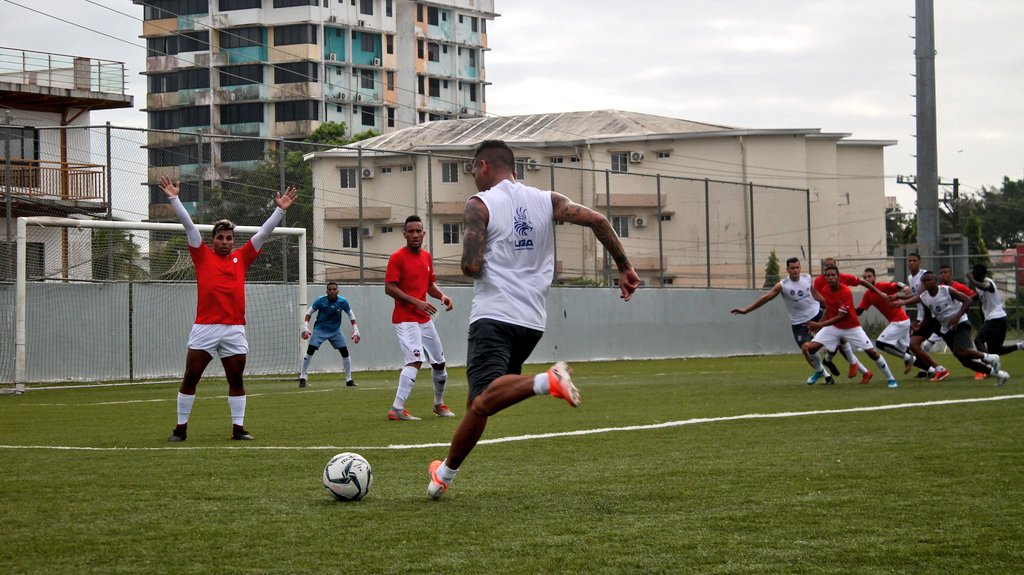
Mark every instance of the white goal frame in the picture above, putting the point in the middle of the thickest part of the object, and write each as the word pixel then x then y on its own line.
pixel 21 280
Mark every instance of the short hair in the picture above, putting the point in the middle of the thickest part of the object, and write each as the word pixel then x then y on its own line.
pixel 329 284
pixel 496 152
pixel 412 218
pixel 792 261
pixel 830 267
pixel 913 255
pixel 927 273
pixel 872 270
pixel 979 271
pixel 220 225
pixel 945 267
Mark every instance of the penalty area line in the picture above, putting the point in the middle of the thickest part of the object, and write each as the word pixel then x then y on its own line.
pixel 652 426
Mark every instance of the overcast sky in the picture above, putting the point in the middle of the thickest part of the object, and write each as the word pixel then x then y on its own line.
pixel 837 65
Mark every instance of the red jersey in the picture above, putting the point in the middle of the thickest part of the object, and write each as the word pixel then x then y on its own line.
pixel 892 313
pixel 840 300
pixel 963 289
pixel 413 272
pixel 844 280
pixel 221 284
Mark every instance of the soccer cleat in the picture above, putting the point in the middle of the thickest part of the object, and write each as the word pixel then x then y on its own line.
pixel 302 382
pixel 940 374
pixel 815 377
pixel 351 383
pixel 831 366
pixel 867 378
pixel 436 487
pixel 179 434
pixel 908 364
pixel 892 383
pixel 404 415
pixel 978 376
pixel 829 380
pixel 922 374
pixel 560 385
pixel 1001 378
pixel 996 364
pixel 853 371
pixel 240 434
pixel 443 411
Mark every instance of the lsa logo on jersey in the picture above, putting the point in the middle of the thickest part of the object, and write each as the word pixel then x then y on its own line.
pixel 523 228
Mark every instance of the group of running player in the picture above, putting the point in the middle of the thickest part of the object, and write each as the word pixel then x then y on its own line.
pixel 942 316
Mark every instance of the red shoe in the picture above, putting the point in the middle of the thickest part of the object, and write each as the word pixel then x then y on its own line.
pixel 436 487
pixel 560 385
pixel 867 377
pixel 939 375
pixel 853 371
pixel 978 376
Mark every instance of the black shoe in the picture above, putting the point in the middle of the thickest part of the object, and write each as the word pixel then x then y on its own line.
pixel 922 374
pixel 829 380
pixel 831 367
pixel 240 434
pixel 179 434
pixel 302 382
pixel 351 383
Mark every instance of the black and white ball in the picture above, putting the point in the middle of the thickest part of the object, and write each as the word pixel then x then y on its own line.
pixel 348 476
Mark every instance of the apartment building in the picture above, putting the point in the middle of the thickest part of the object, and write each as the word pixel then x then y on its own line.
pixel 278 69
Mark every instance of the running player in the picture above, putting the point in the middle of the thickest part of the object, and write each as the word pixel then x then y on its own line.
pixel 895 338
pixel 219 327
pixel 855 365
pixel 992 334
pixel 329 308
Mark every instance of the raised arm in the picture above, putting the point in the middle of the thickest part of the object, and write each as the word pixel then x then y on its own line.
pixel 284 201
pixel 172 189
pixel 565 210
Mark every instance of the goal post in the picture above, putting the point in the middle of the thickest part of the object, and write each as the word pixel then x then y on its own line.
pixel 118 295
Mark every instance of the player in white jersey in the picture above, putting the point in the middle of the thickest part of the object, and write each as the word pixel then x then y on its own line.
pixel 508 250
pixel 992 334
pixel 921 343
pixel 948 307
pixel 796 293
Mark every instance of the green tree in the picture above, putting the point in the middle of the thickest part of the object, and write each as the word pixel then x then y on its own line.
pixel 115 256
pixel 771 271
pixel 1002 214
pixel 976 242
pixel 900 228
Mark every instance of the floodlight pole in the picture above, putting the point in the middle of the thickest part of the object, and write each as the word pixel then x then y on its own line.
pixel 927 161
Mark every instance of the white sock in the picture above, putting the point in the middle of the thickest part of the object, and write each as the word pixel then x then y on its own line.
pixel 444 473
pixel 881 363
pixel 927 345
pixel 815 362
pixel 542 384
pixel 849 355
pixel 237 405
pixel 184 407
pixel 406 379
pixel 1020 345
pixel 346 362
pixel 989 358
pixel 440 379
pixel 305 365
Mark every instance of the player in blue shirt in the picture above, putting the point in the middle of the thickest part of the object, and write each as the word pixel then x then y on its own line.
pixel 328 308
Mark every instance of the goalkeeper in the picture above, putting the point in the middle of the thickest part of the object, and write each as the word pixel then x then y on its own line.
pixel 329 308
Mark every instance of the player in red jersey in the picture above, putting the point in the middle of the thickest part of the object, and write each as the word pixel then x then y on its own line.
pixel 842 324
pixel 851 281
pixel 219 327
pixel 408 279
pixel 895 338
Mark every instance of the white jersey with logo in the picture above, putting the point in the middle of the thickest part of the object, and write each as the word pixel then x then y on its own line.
pixel 800 303
pixel 991 301
pixel 519 260
pixel 914 281
pixel 943 306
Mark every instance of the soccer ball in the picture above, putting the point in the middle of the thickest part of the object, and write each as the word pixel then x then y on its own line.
pixel 348 477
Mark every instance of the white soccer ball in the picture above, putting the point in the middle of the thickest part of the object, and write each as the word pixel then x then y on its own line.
pixel 348 476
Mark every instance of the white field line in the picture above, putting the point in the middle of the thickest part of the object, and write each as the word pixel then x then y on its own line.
pixel 664 425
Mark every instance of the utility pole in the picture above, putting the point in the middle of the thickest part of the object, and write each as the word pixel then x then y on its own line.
pixel 927 161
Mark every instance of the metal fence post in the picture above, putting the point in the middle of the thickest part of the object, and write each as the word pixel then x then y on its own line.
pixel 281 154
pixel 359 229
pixel 707 228
pixel 661 243
pixel 608 214
pixel 430 201
pixel 753 240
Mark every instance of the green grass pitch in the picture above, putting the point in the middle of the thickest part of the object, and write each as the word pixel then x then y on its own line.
pixel 726 465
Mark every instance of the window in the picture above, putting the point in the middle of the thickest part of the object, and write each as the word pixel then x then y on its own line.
pixel 389 8
pixel 556 160
pixel 472 58
pixel 368 117
pixel 386 229
pixel 391 43
pixel 435 88
pixel 241 37
pixel 472 24
pixel 620 162
pixel 450 172
pixel 180 118
pixel 472 92
pixel 24 142
pixel 294 72
pixel 162 83
pixel 451 234
pixel 294 34
pixel 407 168
pixel 241 151
pixel 664 154
pixel 366 79
pixel 348 177
pixel 420 82
pixel 621 225
pixel 391 117
pixel 194 42
pixel 391 80
pixel 520 170
pixel 432 16
pixel 367 42
pixel 296 110
pixel 35 260
pixel 366 7
pixel 240 75
pixel 666 217
pixel 229 5
pixel 290 3
pixel 433 52
pixel 419 49
pixel 164 46
pixel 192 79
pixel 241 113
pixel 385 169
pixel 178 155
pixel 350 237
pixel 159 9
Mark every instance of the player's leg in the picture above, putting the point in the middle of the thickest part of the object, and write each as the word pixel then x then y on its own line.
pixel 801 335
pixel 438 367
pixel 202 344
pixel 410 340
pixel 314 345
pixel 996 337
pixel 346 364
pixel 233 352
pixel 828 338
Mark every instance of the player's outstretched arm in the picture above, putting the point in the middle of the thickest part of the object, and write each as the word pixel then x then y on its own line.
pixel 284 201
pixel 565 210
pixel 772 294
pixel 172 189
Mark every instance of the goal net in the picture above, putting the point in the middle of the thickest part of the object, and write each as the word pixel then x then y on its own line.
pixel 115 301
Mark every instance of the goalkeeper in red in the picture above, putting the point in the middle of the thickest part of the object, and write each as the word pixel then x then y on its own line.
pixel 219 327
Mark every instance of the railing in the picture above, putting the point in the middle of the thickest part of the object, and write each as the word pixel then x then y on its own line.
pixel 63 180
pixel 61 71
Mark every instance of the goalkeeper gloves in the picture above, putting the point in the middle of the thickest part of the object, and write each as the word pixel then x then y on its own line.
pixel 355 333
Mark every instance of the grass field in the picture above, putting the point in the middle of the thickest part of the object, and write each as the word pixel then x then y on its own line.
pixel 672 471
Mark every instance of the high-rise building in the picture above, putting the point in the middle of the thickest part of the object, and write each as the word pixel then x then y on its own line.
pixel 280 68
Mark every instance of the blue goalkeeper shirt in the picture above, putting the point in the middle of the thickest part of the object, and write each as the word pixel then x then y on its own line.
pixel 328 318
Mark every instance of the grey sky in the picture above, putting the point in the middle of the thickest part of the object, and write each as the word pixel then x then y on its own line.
pixel 832 64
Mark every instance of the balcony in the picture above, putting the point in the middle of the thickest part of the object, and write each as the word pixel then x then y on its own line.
pixel 49 180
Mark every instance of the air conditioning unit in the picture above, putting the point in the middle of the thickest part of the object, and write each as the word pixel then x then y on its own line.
pixel 333 57
pixel 359 97
pixel 639 222
pixel 362 23
pixel 367 173
pixel 636 157
pixel 467 167
pixel 532 164
pixel 464 111
pixel 367 232
pixel 343 96
pixel 333 19
pixel 376 61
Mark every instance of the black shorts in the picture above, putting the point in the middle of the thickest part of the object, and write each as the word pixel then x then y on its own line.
pixel 993 333
pixel 495 349
pixel 959 338
pixel 801 333
pixel 927 328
